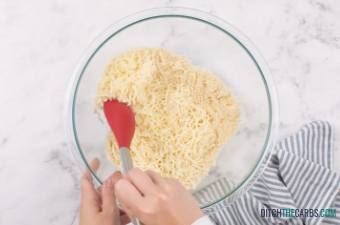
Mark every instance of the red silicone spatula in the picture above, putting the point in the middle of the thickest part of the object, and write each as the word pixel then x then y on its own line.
pixel 122 122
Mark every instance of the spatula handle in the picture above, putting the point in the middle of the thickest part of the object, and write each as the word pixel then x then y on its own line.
pixel 126 162
pixel 127 165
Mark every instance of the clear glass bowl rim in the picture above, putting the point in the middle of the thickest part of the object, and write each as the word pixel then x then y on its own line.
pixel 196 15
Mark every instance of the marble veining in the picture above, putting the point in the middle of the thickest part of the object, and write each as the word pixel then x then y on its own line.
pixel 41 42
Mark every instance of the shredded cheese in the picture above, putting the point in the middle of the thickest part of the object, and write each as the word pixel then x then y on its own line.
pixel 184 114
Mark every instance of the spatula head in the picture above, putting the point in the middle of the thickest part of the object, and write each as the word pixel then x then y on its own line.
pixel 121 120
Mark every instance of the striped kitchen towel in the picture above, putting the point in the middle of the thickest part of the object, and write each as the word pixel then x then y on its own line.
pixel 298 176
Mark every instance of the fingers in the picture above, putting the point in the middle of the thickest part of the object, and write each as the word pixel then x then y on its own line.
pixel 128 195
pixel 89 196
pixel 94 165
pixel 87 187
pixel 124 219
pixel 155 177
pixel 141 181
pixel 125 212
pixel 108 199
pixel 107 193
pixel 115 177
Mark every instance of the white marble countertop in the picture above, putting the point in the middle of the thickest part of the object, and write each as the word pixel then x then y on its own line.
pixel 41 42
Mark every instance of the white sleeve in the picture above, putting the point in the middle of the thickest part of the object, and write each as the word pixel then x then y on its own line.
pixel 204 220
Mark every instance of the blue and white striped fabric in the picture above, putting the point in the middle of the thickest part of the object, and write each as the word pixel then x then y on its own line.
pixel 298 176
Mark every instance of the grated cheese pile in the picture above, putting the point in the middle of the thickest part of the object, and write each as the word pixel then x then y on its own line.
pixel 183 113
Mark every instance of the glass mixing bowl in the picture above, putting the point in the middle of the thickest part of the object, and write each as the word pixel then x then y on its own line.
pixel 208 42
